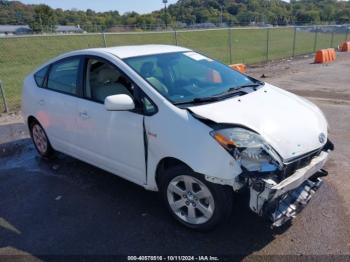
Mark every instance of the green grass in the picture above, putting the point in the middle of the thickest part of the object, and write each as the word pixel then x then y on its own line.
pixel 19 56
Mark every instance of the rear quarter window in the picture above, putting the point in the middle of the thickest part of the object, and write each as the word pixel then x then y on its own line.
pixel 40 76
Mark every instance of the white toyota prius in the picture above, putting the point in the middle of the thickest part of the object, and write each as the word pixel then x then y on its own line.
pixel 175 121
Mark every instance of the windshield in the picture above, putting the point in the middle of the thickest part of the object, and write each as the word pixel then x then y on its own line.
pixel 188 76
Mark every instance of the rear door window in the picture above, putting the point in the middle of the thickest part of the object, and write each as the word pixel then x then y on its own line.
pixel 63 76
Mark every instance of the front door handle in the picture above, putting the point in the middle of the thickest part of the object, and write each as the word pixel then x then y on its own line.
pixel 84 115
pixel 41 102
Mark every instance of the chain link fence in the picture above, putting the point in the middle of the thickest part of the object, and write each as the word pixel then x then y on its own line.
pixel 19 55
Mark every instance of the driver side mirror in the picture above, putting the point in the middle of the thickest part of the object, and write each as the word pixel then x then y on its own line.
pixel 120 102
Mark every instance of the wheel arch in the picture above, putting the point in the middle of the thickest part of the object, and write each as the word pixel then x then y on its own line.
pixel 166 163
pixel 30 120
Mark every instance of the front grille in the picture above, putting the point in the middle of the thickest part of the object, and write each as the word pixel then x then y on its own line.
pixel 290 168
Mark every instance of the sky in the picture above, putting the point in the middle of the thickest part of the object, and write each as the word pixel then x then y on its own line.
pixel 140 6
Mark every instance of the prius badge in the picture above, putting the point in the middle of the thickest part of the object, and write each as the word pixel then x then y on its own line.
pixel 322 138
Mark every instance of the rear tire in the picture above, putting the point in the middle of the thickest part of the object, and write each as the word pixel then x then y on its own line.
pixel 40 140
pixel 193 201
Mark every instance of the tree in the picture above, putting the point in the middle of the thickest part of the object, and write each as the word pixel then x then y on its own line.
pixel 343 16
pixel 328 12
pixel 307 17
pixel 246 17
pixel 44 19
pixel 233 9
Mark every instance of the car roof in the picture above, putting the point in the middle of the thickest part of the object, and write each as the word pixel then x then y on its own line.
pixel 140 50
pixel 121 52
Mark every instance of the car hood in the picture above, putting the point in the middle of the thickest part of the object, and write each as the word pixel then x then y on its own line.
pixel 290 124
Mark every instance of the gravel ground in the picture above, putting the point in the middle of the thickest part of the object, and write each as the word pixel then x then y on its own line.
pixel 67 207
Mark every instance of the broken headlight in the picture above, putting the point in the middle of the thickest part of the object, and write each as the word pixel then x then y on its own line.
pixel 249 148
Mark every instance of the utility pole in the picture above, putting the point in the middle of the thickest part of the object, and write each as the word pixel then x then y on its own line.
pixel 41 23
pixel 221 13
pixel 165 14
pixel 265 10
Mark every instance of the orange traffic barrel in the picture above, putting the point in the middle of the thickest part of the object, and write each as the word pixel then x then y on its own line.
pixel 239 67
pixel 332 54
pixel 325 56
pixel 345 47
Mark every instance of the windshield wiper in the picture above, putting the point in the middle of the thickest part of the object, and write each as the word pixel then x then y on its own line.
pixel 257 84
pixel 228 93
pixel 199 100
pixel 238 89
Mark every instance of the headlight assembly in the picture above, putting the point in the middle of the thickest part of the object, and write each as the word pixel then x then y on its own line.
pixel 249 148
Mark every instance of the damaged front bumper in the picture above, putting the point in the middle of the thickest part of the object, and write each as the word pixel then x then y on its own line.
pixel 281 201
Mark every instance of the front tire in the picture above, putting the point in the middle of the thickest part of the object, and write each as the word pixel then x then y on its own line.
pixel 193 201
pixel 40 140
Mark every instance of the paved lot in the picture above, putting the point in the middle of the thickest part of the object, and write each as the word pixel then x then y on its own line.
pixel 65 206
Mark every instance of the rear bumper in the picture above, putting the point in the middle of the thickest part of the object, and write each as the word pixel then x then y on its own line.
pixel 282 201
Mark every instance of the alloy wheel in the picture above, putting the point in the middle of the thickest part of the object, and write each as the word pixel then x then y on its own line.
pixel 190 199
pixel 39 138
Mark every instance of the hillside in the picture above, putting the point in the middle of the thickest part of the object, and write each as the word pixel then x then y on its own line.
pixel 238 12
pixel 269 11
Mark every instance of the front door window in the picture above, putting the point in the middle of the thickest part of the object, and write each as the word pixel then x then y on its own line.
pixel 104 80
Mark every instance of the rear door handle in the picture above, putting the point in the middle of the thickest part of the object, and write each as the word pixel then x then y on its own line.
pixel 84 115
pixel 41 102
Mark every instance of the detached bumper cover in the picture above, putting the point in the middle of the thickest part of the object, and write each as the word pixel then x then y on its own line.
pixel 281 201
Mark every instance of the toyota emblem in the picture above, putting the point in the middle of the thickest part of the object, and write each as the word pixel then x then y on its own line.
pixel 322 138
